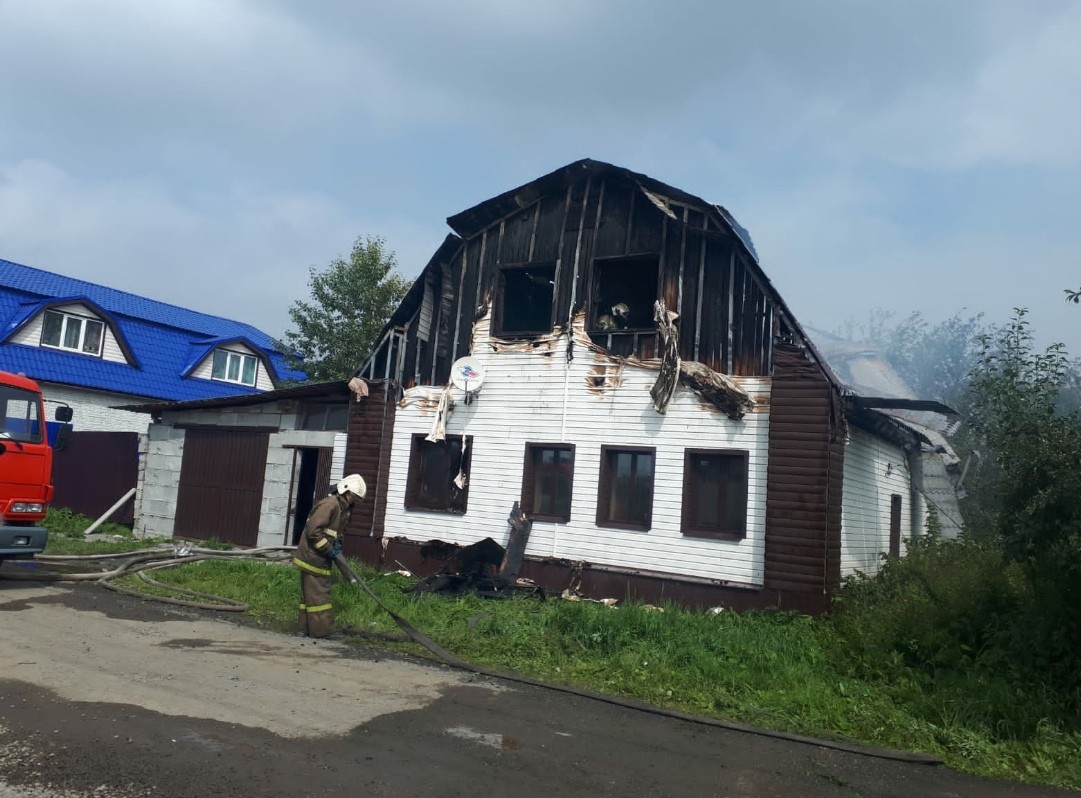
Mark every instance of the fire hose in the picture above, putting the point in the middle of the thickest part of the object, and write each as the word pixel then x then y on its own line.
pixel 450 659
pixel 143 560
pixel 167 556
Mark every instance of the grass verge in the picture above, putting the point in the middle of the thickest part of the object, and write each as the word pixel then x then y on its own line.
pixel 776 670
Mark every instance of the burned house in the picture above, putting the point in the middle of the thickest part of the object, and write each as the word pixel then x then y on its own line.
pixel 607 350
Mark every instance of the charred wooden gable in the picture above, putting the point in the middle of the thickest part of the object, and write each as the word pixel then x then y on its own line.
pixel 595 240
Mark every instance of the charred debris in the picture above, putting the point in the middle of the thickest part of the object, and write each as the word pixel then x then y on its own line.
pixel 485 568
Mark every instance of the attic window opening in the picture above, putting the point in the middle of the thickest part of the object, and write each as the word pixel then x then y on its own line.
pixel 525 299
pixel 624 290
pixel 230 366
pixel 73 333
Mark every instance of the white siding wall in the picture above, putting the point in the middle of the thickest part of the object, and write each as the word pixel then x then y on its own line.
pixel 337 463
pixel 93 410
pixel 874 471
pixel 30 335
pixel 537 395
pixel 262 378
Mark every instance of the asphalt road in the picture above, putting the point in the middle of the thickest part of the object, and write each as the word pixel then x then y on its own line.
pixel 105 695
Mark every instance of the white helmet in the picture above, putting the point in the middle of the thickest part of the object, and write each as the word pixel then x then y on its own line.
pixel 354 483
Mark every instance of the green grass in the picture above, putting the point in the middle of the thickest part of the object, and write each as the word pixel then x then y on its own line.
pixel 66 535
pixel 771 669
pixel 776 670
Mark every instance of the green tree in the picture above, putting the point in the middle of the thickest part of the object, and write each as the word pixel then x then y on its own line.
pixel 350 302
pixel 1036 444
pixel 933 359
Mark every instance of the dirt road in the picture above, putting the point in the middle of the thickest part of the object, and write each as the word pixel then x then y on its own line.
pixel 104 695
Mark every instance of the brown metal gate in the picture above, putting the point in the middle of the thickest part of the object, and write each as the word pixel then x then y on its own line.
pixel 221 485
pixel 94 471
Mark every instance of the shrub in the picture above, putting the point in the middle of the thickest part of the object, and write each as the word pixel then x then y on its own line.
pixel 946 625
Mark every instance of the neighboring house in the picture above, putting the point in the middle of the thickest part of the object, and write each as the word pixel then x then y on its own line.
pixel 242 469
pixel 865 371
pixel 96 348
pixel 711 457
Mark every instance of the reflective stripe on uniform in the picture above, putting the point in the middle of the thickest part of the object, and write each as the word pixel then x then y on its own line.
pixel 312 569
pixel 330 533
pixel 318 608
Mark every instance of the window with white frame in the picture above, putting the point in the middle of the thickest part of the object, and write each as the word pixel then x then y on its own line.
pixel 230 366
pixel 72 332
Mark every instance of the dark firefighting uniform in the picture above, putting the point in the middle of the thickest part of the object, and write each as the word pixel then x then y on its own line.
pixel 326 522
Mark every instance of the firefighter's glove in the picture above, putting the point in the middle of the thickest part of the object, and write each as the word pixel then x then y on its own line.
pixel 335 549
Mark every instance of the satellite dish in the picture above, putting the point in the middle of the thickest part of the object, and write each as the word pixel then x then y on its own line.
pixel 467 375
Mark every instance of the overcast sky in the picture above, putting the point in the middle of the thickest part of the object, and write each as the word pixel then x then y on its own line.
pixel 884 155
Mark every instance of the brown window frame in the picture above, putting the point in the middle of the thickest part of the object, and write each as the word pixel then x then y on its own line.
pixel 528 500
pixel 499 317
pixel 688 524
pixel 455 501
pixel 604 488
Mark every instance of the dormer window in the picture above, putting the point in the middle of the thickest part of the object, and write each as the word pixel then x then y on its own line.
pixel 230 366
pixel 71 332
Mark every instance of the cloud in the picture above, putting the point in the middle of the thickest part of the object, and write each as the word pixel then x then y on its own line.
pixel 239 142
pixel 1018 108
pixel 243 255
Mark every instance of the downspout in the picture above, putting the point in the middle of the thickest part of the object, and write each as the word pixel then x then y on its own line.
pixel 914 460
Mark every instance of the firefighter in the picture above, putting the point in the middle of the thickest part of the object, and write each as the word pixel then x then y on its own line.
pixel 320 543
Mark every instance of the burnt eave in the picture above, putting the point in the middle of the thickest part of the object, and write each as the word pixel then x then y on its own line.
pixel 321 390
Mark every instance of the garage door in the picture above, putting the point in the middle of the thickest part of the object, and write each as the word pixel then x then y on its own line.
pixel 221 485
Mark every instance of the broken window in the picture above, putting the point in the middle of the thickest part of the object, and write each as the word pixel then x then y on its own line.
pixel 625 494
pixel 624 290
pixel 547 481
pixel 525 298
pixel 438 474
pixel 714 493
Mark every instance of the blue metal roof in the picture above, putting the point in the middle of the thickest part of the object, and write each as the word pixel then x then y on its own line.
pixel 163 338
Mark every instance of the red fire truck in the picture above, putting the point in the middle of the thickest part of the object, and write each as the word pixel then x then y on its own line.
pixel 26 465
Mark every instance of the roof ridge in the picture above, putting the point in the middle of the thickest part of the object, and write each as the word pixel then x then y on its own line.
pixel 121 292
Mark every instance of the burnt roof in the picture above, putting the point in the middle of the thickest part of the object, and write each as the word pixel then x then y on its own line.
pixel 473 220
pixel 318 390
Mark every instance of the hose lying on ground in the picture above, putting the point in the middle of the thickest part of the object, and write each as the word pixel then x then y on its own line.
pixel 166 556
pixel 142 560
pixel 450 659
